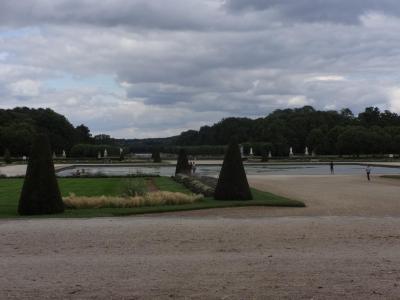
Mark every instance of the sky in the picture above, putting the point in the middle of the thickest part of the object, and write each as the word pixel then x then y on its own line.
pixel 140 68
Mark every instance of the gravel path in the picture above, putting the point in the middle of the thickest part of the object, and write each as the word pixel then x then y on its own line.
pixel 345 244
pixel 193 258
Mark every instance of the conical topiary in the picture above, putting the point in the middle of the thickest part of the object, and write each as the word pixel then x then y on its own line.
pixel 182 165
pixel 7 156
pixel 232 183
pixel 156 156
pixel 40 192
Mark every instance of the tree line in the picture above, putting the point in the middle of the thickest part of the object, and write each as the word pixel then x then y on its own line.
pixel 323 132
pixel 19 125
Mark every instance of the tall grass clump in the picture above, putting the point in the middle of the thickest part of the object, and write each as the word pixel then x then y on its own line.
pixel 150 199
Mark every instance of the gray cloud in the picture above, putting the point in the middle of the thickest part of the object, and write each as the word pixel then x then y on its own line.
pixel 108 13
pixel 341 11
pixel 176 67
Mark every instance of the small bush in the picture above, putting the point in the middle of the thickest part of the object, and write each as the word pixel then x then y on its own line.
pixel 193 184
pixel 132 188
pixel 149 199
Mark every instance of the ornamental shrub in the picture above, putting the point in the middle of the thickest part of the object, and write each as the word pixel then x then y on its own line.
pixel 232 182
pixel 156 156
pixel 7 156
pixel 182 165
pixel 40 192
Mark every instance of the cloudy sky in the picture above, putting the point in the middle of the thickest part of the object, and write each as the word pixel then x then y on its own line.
pixel 152 68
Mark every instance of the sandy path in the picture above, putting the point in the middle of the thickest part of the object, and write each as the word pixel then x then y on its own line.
pixel 335 195
pixel 346 243
pixel 338 195
pixel 211 258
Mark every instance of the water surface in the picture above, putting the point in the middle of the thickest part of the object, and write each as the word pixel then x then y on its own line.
pixel 213 170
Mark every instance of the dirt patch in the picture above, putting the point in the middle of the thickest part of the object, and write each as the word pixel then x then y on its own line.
pixel 151 185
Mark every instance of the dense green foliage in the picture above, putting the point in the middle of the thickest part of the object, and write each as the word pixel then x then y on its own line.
pixel 10 190
pixel 18 125
pixel 40 193
pixel 323 132
pixel 88 150
pixel 232 181
pixel 182 164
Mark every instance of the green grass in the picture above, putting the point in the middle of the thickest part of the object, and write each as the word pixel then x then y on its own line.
pixel 391 176
pixel 10 190
pixel 167 184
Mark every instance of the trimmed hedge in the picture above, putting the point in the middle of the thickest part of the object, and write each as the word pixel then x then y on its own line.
pixel 156 156
pixel 87 150
pixel 232 181
pixel 7 157
pixel 182 165
pixel 40 192
pixel 195 185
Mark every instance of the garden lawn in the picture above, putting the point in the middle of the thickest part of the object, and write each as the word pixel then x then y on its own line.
pixel 391 176
pixel 10 190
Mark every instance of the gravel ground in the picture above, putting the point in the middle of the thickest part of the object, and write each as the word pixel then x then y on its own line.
pixel 345 244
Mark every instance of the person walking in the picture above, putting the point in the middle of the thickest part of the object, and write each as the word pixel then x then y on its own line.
pixel 332 168
pixel 194 167
pixel 368 171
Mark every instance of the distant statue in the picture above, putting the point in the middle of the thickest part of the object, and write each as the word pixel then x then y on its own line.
pixel 306 151
pixel 64 154
pixel 291 151
pixel 269 154
pixel 105 153
pixel 251 151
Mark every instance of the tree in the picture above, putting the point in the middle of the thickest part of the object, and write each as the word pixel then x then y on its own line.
pixel 370 117
pixel 316 140
pixel 347 113
pixel 182 165
pixel 7 156
pixel 40 192
pixel 18 125
pixel 232 182
pixel 83 134
pixel 354 140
